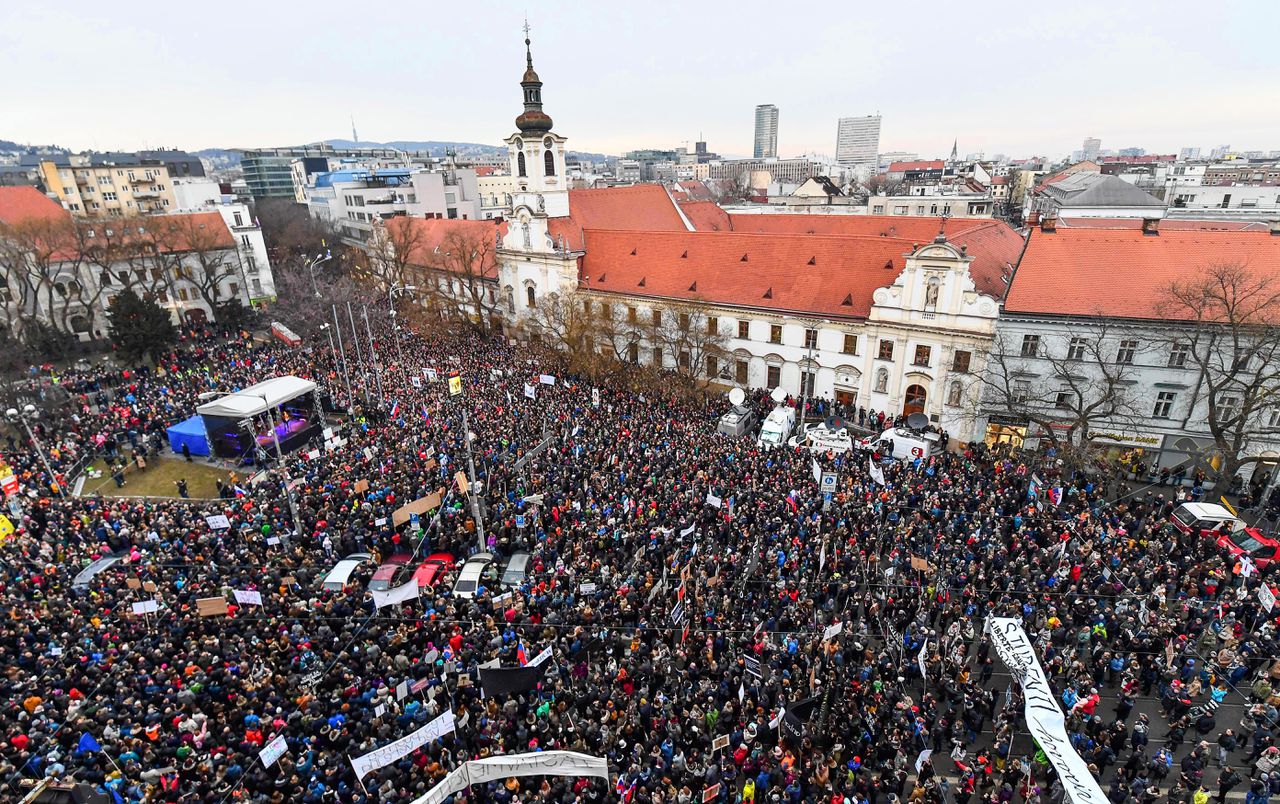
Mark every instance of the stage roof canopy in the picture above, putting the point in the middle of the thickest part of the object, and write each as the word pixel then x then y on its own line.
pixel 250 401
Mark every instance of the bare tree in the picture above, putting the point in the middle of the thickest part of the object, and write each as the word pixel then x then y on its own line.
pixel 691 332
pixel 394 249
pixel 209 257
pixel 1232 337
pixel 468 256
pixel 881 184
pixel 1068 385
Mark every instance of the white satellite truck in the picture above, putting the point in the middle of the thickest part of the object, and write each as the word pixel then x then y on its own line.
pixel 906 443
pixel 739 420
pixel 778 424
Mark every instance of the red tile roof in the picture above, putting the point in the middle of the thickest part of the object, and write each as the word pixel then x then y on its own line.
pixel 430 238
pixel 21 203
pixel 1166 225
pixel 706 216
pixel 776 273
pixel 1121 272
pixel 639 207
pixel 919 229
pixel 917 164
pixel 801 272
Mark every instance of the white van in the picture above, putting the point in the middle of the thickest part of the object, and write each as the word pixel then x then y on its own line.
pixel 737 422
pixel 340 575
pixel 777 426
pixel 820 438
pixel 905 444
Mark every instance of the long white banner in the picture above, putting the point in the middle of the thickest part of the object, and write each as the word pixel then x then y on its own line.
pixel 380 757
pixel 542 763
pixel 1044 717
pixel 407 591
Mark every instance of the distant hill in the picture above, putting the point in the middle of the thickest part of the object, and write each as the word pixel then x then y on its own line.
pixel 437 148
pixel 11 147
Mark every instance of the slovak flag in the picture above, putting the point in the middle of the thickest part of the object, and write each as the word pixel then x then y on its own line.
pixel 395 408
pixel 426 416
pixel 1055 496
pixel 240 492
pixel 520 655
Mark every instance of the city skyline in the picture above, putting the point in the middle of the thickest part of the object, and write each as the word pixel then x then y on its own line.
pixel 605 91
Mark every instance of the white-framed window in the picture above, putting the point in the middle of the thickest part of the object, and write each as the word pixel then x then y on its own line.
pixel 1075 350
pixel 1124 355
pixel 1030 345
pixel 1179 353
pixel 1164 404
pixel 1228 406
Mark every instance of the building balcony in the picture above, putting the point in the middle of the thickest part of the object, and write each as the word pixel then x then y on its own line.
pixel 144 192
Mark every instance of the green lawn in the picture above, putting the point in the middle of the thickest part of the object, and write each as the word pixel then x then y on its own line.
pixel 158 479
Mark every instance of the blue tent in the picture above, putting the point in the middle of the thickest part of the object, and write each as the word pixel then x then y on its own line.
pixel 191 433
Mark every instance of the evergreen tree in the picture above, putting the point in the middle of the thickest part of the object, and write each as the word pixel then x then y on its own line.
pixel 139 327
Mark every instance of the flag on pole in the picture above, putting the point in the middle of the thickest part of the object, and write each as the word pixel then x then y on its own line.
pixel 240 492
pixel 87 743
pixel 425 416
pixel 877 474
pixel 395 408
pixel 520 655
pixel 817 471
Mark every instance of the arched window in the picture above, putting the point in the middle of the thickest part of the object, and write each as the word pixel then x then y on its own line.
pixel 549 163
pixel 520 164
pixel 882 381
pixel 529 293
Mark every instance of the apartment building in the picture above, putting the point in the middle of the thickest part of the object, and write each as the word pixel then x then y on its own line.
pixel 105 190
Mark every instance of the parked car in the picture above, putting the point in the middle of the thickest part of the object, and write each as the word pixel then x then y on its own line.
pixel 777 427
pixel 430 572
pixel 469 576
pixel 516 568
pixel 1227 530
pixel 385 574
pixel 340 575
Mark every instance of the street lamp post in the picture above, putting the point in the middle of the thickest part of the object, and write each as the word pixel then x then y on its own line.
pixel 342 354
pixel 275 437
pixel 373 358
pixel 29 413
pixel 395 324
pixel 314 263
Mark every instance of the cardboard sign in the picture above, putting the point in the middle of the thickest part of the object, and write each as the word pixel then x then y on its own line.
pixel 461 479
pixel 419 506
pixel 720 742
pixel 148 586
pixel 361 486
pixel 919 563
pixel 133 583
pixel 212 606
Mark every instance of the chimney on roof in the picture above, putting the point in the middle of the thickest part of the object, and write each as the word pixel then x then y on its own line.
pixel 1033 218
pixel 1274 223
pixel 1049 224
pixel 1151 226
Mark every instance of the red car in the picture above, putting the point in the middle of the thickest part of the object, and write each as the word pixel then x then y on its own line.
pixel 386 573
pixel 430 572
pixel 1228 531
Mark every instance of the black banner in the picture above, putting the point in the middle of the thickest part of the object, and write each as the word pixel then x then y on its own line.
pixel 507 680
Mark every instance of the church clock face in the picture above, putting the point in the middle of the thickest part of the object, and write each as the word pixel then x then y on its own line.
pixel 547 143
pixel 519 144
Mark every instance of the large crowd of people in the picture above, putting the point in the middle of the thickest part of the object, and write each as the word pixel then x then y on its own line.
pixel 685 584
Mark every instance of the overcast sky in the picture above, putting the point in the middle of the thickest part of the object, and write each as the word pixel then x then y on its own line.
pixel 1014 78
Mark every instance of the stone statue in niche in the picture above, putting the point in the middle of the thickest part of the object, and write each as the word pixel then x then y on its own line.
pixel 528 239
pixel 542 203
pixel 931 294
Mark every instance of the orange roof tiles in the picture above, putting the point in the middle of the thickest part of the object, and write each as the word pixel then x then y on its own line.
pixel 22 203
pixel 1166 224
pixel 905 227
pixel 706 216
pixel 639 207
pixel 670 263
pixel 917 164
pixel 1121 272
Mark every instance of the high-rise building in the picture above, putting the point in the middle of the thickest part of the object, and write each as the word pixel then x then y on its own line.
pixel 1092 146
pixel 1188 153
pixel 766 132
pixel 858 140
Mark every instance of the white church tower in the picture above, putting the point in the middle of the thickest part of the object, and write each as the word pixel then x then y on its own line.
pixel 533 260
